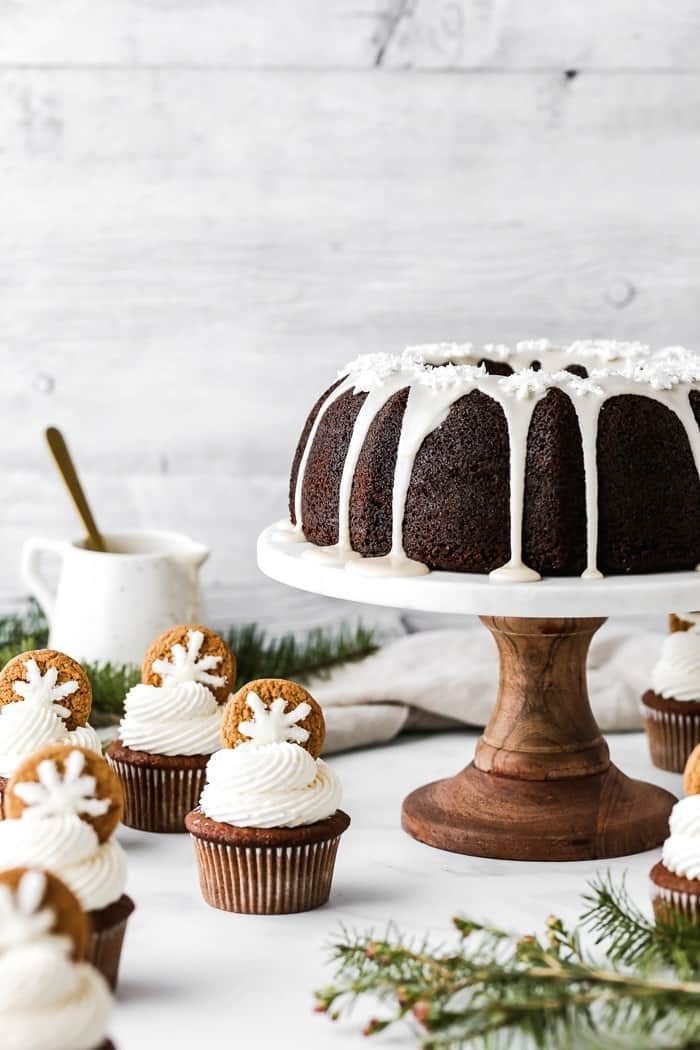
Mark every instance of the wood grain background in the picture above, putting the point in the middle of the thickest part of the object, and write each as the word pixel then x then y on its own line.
pixel 207 207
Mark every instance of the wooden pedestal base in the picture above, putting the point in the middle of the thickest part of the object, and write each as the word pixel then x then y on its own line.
pixel 541 786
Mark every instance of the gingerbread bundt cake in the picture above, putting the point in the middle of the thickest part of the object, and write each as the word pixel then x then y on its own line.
pixel 524 462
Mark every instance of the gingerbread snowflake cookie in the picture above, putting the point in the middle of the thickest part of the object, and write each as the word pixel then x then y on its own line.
pixel 47 677
pixel 273 709
pixel 35 904
pixel 61 780
pixel 691 774
pixel 190 654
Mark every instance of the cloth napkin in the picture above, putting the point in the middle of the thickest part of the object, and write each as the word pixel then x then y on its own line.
pixel 448 677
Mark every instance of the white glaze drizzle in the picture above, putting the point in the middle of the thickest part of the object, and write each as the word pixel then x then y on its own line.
pixel 440 374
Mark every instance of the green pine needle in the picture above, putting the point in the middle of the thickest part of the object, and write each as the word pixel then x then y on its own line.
pixel 316 654
pixel 545 992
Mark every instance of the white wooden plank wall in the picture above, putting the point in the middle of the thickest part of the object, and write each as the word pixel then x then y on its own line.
pixel 206 207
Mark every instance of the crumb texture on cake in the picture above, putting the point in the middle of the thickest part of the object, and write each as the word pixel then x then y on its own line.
pixel 581 460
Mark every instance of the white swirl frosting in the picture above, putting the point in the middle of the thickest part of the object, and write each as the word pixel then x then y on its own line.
pixel 676 675
pixel 26 727
pixel 277 785
pixel 49 1003
pixel 183 718
pixel 68 847
pixel 681 850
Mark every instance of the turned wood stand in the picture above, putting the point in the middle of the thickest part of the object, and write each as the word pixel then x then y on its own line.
pixel 541 786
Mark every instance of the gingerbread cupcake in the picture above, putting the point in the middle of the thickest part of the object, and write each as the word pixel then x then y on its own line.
pixel 62 807
pixel 45 698
pixel 267 828
pixel 171 726
pixel 671 708
pixel 50 998
pixel 676 878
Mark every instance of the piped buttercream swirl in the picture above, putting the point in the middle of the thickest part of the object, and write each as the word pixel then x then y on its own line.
pixel 49 1003
pixel 676 675
pixel 182 718
pixel 681 850
pixel 275 785
pixel 68 847
pixel 26 727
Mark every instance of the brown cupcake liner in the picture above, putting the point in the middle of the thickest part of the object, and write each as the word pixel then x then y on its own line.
pixel 157 798
pixel 107 939
pixel 669 903
pixel 266 880
pixel 672 734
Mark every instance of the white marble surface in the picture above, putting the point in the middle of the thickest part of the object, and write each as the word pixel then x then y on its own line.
pixel 195 976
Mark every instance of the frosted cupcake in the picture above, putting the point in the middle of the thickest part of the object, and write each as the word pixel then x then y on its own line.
pixel 171 726
pixel 50 999
pixel 671 707
pixel 45 698
pixel 62 807
pixel 676 878
pixel 267 829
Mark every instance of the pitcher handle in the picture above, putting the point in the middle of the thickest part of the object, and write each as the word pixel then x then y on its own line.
pixel 33 552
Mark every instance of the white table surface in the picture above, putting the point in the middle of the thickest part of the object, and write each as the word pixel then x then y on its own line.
pixel 196 977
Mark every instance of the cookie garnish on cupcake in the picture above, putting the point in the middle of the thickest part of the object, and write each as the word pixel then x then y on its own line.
pixel 45 698
pixel 190 654
pixel 63 805
pixel 273 709
pixel 50 998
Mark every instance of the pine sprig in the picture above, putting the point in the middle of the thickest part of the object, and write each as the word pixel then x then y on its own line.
pixel 546 989
pixel 315 654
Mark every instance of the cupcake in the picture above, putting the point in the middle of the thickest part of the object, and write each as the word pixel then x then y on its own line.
pixel 45 698
pixel 676 878
pixel 267 828
pixel 50 999
pixel 171 726
pixel 671 708
pixel 62 807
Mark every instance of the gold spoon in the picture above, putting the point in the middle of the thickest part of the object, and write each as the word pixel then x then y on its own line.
pixel 66 467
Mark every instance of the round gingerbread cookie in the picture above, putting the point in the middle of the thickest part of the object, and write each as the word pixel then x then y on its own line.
pixel 273 709
pixel 33 891
pixel 691 773
pixel 52 677
pixel 191 653
pixel 60 779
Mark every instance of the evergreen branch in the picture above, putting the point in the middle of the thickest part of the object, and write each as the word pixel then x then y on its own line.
pixel 316 654
pixel 547 989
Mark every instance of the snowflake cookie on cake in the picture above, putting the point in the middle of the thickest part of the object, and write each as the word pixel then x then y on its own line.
pixel 62 807
pixel 267 828
pixel 50 998
pixel 671 707
pixel 171 726
pixel 45 698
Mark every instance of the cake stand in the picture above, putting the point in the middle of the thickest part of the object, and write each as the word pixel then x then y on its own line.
pixel 541 785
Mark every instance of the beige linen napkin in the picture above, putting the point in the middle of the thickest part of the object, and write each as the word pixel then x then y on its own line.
pixel 449 676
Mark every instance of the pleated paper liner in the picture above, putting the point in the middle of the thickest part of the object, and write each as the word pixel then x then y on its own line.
pixel 673 895
pixel 672 728
pixel 159 791
pixel 107 940
pixel 274 871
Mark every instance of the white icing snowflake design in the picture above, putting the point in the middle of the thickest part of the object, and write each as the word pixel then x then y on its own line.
pixel 274 724
pixel 55 795
pixel 22 919
pixel 187 665
pixel 42 689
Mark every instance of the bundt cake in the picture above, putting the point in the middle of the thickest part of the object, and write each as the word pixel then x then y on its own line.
pixel 524 462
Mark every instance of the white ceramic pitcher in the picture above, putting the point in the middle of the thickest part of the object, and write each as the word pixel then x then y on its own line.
pixel 111 606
